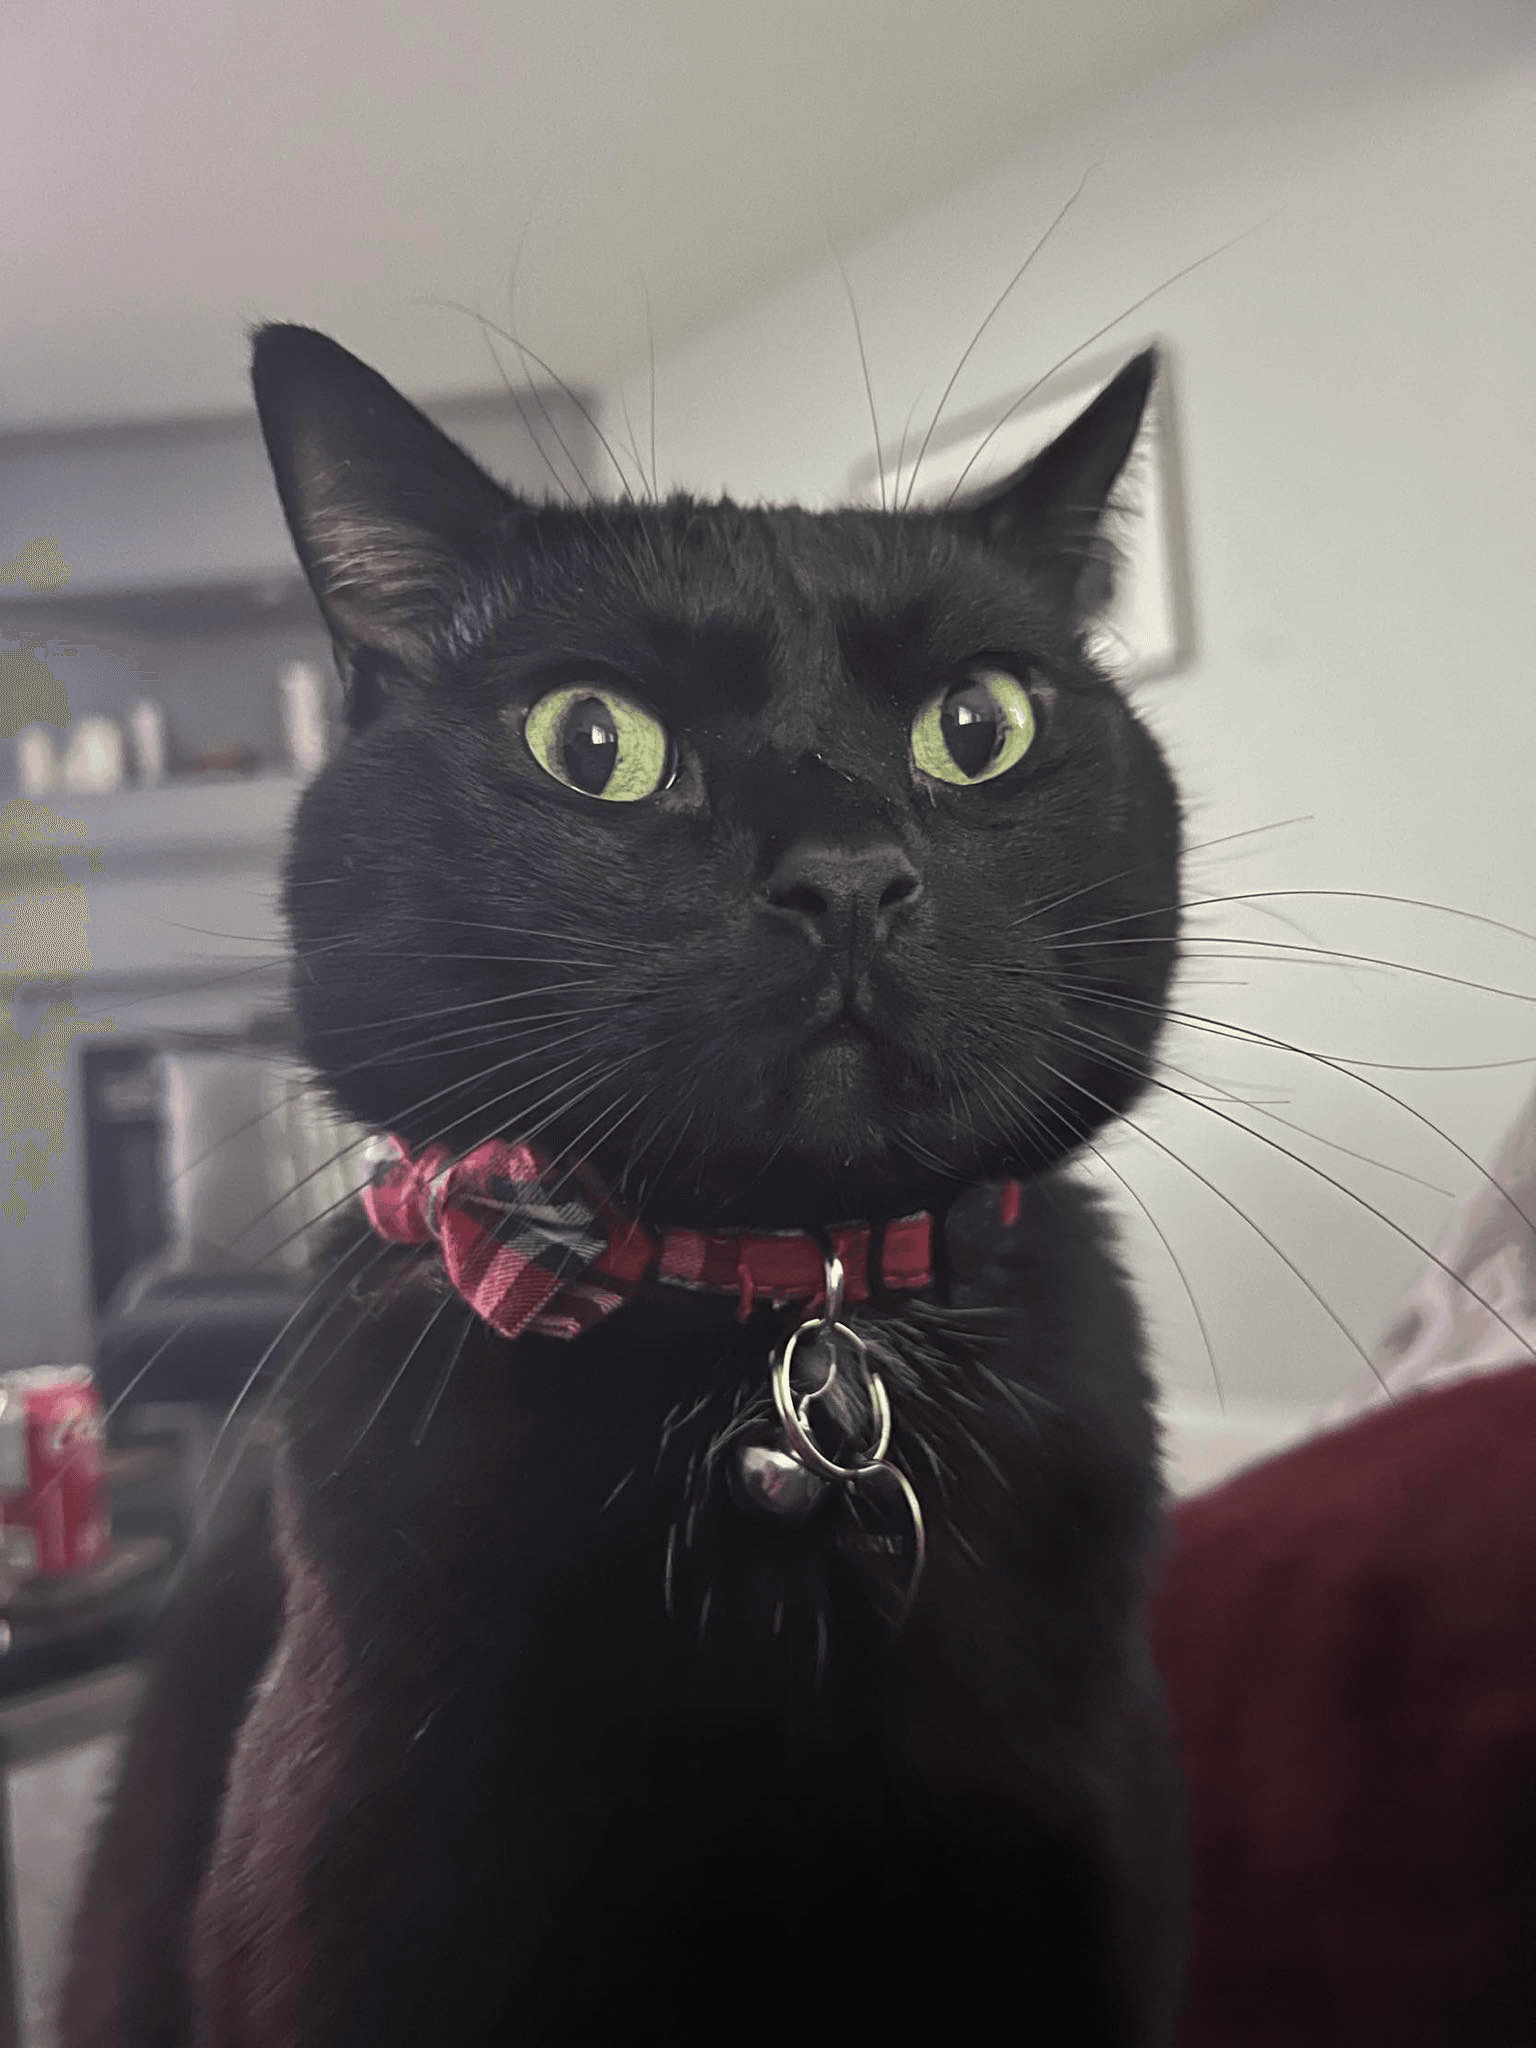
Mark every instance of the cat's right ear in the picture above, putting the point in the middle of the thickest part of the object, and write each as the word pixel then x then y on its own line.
pixel 386 513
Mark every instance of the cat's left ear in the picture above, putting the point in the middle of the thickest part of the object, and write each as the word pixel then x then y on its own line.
pixel 1050 515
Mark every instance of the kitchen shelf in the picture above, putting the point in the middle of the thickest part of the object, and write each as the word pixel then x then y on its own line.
pixel 201 819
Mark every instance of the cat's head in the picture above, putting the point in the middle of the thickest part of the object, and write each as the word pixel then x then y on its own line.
pixel 786 866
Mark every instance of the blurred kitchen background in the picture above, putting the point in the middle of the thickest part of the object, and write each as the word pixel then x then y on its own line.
pixel 1323 209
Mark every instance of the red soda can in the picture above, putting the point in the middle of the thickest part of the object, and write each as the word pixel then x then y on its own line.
pixel 53 1494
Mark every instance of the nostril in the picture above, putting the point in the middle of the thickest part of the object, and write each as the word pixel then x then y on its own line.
pixel 900 889
pixel 802 897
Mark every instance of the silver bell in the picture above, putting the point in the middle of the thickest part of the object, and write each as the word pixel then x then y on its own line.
pixel 774 1483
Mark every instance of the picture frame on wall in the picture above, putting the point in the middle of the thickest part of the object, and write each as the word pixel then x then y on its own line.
pixel 1148 630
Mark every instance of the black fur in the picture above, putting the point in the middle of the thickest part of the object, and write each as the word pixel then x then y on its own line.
pixel 557 1744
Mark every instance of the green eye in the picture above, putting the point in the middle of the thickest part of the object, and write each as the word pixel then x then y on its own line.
pixel 595 741
pixel 975 731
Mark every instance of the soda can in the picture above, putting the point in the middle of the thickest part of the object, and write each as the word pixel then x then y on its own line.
pixel 54 1514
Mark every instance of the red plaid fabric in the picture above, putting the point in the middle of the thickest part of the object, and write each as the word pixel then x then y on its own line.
pixel 532 1248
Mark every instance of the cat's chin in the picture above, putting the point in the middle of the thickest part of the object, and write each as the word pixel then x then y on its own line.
pixel 841 1104
pixel 834 1105
pixel 819 1142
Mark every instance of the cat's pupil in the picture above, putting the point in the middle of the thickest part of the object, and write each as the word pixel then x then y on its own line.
pixel 972 726
pixel 589 745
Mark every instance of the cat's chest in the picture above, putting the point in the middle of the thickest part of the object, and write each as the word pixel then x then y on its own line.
pixel 561 1651
pixel 569 1549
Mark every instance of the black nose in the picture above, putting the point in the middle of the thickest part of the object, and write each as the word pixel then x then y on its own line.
pixel 842 896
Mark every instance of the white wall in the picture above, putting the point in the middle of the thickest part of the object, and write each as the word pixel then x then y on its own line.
pixel 1356 387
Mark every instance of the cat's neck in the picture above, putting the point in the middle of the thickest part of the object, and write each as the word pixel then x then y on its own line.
pixel 534 1243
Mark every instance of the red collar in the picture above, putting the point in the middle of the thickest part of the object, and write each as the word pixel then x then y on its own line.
pixel 530 1247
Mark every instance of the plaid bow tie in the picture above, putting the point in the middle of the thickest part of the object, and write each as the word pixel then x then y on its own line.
pixel 532 1248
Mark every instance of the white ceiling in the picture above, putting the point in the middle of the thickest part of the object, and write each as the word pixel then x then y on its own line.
pixel 174 169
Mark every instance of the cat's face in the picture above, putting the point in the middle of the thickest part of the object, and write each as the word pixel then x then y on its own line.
pixel 786 866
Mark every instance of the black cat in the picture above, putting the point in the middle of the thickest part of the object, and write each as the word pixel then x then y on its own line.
pixel 711 903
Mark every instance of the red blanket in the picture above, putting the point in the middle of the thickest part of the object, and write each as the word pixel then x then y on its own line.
pixel 1349 1637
